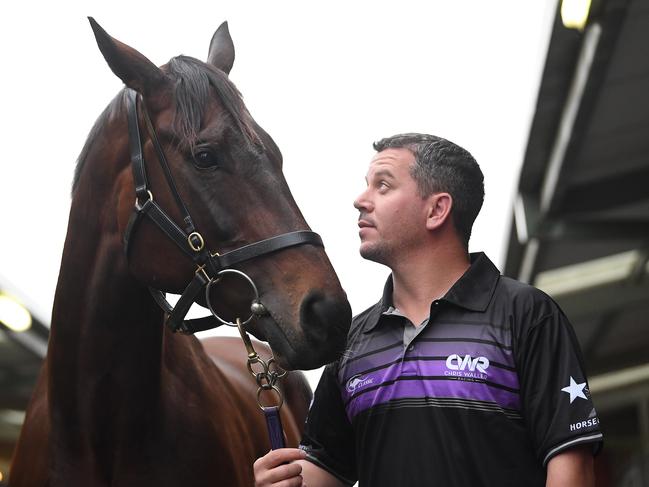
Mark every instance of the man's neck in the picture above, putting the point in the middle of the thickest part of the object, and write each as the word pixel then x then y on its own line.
pixel 424 276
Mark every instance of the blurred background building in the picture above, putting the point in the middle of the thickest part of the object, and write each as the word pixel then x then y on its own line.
pixel 23 343
pixel 580 226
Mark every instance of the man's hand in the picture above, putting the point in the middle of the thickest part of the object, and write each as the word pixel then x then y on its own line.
pixel 274 468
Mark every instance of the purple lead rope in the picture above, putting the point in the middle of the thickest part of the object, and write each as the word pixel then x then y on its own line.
pixel 275 429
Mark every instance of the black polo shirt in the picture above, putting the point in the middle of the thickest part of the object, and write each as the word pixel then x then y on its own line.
pixel 485 394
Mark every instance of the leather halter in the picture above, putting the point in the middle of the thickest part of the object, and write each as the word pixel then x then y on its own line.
pixel 187 238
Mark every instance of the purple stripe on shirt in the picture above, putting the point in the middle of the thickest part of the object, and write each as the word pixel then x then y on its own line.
pixel 435 388
pixel 356 366
pixel 458 367
pixel 459 376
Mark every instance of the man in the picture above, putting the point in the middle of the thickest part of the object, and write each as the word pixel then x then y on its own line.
pixel 457 376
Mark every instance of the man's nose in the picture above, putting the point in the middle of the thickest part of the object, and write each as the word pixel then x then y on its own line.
pixel 362 202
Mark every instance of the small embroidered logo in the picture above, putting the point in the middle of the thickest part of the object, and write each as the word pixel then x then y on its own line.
pixel 357 382
pixel 467 365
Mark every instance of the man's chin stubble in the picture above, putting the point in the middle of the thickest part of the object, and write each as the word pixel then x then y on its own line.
pixel 376 254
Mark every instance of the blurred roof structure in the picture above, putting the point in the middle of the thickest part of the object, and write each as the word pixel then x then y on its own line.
pixel 21 356
pixel 580 225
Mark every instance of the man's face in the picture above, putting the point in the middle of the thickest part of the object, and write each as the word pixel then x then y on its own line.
pixel 392 215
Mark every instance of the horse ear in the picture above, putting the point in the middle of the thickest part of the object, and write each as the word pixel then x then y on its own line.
pixel 221 54
pixel 133 68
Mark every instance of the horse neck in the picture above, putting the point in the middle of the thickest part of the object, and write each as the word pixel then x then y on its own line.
pixel 106 340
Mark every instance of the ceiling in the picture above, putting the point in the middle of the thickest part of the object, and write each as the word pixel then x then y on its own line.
pixel 580 224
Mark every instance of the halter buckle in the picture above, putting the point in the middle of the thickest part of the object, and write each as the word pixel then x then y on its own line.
pixel 274 389
pixel 201 269
pixel 139 206
pixel 195 241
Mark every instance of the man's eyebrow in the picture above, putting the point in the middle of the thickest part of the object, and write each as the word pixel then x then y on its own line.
pixel 382 173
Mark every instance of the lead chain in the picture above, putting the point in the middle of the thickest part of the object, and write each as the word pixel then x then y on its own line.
pixel 269 374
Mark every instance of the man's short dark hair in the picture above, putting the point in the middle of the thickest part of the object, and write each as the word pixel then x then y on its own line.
pixel 442 166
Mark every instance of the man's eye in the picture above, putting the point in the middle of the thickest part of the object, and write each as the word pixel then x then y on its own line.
pixel 205 159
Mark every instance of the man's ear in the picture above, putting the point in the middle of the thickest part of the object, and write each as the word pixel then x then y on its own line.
pixel 439 210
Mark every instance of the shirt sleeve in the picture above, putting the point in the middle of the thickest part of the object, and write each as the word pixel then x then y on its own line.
pixel 557 406
pixel 328 437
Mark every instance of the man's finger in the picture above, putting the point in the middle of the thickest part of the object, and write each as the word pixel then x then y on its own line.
pixel 275 458
pixel 290 471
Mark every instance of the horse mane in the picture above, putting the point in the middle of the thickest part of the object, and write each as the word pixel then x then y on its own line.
pixel 192 83
pixel 113 109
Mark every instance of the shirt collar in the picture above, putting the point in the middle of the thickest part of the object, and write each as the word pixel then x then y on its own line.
pixel 476 287
pixel 472 291
pixel 379 308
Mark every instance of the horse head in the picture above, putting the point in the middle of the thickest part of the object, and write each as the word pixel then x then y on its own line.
pixel 227 172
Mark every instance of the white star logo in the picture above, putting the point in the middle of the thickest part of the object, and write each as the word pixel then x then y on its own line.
pixel 575 390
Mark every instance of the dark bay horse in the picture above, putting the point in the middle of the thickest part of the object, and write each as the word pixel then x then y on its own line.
pixel 122 400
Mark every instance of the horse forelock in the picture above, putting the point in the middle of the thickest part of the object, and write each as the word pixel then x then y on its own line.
pixel 193 85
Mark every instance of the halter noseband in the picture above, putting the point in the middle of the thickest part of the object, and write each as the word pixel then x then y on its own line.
pixel 209 266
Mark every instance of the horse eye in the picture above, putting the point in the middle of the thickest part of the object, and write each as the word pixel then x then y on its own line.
pixel 205 159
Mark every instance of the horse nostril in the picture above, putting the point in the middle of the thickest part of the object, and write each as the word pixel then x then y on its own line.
pixel 325 322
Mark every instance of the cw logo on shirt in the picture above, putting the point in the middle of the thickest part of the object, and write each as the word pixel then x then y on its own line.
pixel 455 362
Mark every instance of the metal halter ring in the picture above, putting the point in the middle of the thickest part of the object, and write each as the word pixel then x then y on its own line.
pixel 212 281
pixel 275 369
pixel 272 388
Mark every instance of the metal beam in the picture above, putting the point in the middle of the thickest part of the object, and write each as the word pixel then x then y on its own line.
pixel 31 342
pixel 624 387
pixel 619 379
pixel 609 22
pixel 567 229
pixel 590 302
pixel 562 139
pixel 530 223
pixel 625 188
pixel 569 115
